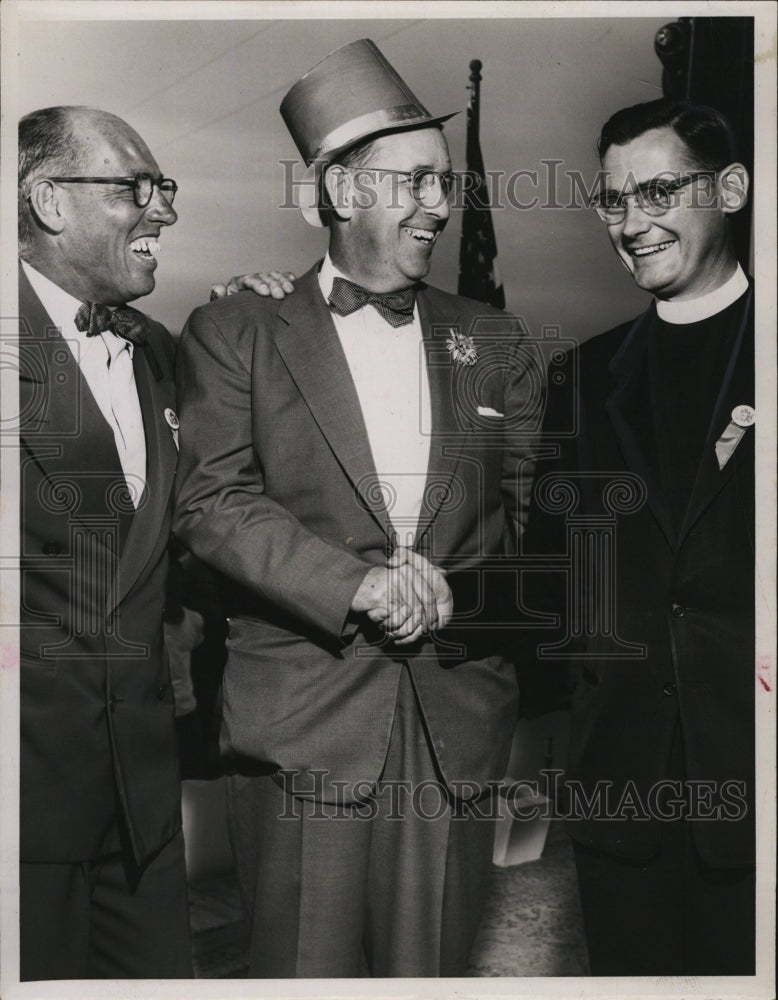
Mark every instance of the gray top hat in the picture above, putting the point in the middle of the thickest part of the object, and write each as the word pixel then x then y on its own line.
pixel 351 95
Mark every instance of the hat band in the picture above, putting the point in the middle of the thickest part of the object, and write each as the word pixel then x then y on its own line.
pixel 365 125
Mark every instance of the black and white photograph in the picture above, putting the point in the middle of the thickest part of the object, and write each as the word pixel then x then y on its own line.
pixel 387 533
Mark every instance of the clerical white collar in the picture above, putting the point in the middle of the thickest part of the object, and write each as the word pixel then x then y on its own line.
pixel 694 310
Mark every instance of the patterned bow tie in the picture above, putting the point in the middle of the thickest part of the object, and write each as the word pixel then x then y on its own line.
pixel 395 307
pixel 93 318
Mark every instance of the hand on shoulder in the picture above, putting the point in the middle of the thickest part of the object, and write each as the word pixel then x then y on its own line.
pixel 276 284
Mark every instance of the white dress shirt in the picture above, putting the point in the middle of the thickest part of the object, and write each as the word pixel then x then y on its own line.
pixel 695 310
pixel 115 393
pixel 389 370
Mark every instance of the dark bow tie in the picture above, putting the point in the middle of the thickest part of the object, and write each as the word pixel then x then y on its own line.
pixel 93 318
pixel 395 307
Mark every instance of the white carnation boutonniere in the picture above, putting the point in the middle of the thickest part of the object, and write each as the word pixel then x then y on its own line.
pixel 461 348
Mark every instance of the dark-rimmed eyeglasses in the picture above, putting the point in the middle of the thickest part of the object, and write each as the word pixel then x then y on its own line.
pixel 429 188
pixel 655 197
pixel 142 186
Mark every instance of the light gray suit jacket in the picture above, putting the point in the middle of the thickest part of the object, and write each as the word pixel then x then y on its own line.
pixel 277 489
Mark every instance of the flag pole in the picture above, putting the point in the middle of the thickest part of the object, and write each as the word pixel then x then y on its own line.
pixel 474 107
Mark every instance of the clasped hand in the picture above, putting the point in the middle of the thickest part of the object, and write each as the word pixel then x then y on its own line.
pixel 406 598
pixel 409 596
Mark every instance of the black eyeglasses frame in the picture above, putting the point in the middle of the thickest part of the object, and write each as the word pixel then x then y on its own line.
pixel 166 186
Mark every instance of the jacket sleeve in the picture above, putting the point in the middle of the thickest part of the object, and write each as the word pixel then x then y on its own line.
pixel 545 682
pixel 223 514
pixel 524 391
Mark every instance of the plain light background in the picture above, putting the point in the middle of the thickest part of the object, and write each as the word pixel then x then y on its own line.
pixel 205 95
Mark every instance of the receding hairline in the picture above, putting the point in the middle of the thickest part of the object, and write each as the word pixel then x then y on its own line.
pixel 87 126
pixel 104 124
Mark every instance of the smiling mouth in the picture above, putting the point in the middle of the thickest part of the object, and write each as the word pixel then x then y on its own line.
pixel 145 247
pixel 424 236
pixel 650 251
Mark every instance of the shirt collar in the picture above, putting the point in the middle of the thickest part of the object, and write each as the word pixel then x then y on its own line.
pixel 327 276
pixel 694 310
pixel 62 307
pixel 59 304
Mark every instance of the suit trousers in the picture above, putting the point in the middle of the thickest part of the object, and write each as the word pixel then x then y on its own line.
pixel 102 920
pixel 394 887
pixel 671 915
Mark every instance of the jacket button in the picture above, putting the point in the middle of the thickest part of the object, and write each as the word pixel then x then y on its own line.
pixel 678 610
pixel 51 548
pixel 162 691
pixel 669 689
pixel 113 701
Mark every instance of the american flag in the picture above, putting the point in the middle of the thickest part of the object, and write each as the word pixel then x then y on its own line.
pixel 479 275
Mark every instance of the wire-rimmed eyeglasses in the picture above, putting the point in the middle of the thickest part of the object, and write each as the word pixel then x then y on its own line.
pixel 429 188
pixel 655 197
pixel 142 186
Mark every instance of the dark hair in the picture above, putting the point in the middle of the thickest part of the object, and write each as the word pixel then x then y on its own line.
pixel 705 131
pixel 357 156
pixel 354 156
pixel 46 142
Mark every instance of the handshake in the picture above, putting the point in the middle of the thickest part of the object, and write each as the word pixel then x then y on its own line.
pixel 406 598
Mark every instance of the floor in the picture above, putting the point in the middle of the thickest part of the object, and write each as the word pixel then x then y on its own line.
pixel 531 927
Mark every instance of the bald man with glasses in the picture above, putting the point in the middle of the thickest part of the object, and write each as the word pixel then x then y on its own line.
pixel 102 877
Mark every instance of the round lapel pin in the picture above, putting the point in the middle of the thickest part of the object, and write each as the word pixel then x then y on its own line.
pixel 171 418
pixel 744 415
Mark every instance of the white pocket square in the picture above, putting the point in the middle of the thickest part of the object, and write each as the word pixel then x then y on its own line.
pixel 487 411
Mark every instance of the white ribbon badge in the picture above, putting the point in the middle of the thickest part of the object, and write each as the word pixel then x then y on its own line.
pixel 743 416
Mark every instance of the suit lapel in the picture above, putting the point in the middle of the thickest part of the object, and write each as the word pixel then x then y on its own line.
pixel 65 431
pixel 737 388
pixel 629 408
pixel 445 443
pixel 61 425
pixel 155 397
pixel 308 342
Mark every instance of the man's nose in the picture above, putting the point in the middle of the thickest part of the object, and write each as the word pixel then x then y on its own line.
pixel 635 219
pixel 160 210
pixel 436 204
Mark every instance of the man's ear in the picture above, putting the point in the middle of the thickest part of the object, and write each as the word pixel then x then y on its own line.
pixel 44 201
pixel 340 191
pixel 732 187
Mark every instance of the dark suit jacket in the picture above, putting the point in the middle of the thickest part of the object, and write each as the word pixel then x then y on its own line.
pixel 97 728
pixel 276 489
pixel 681 642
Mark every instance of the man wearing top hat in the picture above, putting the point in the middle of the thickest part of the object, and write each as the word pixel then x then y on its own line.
pixel 355 461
